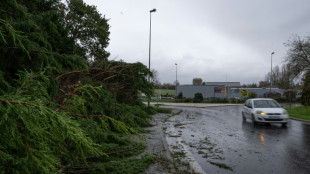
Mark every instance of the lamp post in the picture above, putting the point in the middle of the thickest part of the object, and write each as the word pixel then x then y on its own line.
pixel 176 78
pixel 153 10
pixel 271 72
pixel 176 74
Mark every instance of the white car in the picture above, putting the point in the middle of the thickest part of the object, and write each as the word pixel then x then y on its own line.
pixel 264 110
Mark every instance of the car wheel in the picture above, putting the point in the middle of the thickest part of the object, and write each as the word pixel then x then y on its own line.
pixel 243 117
pixel 253 121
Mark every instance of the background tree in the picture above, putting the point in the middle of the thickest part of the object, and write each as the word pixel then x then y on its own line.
pixel 167 86
pixel 280 77
pixel 306 89
pixel 198 98
pixel 251 85
pixel 263 84
pixel 57 113
pixel 88 28
pixel 155 78
pixel 298 55
pixel 33 37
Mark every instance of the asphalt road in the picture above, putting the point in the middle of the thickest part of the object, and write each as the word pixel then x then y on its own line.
pixel 216 140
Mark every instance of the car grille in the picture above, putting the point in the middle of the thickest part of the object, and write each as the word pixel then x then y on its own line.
pixel 270 119
pixel 273 114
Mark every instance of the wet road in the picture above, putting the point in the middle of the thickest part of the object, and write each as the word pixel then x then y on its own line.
pixel 220 142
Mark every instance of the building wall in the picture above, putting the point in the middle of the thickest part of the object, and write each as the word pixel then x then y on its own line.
pixel 207 91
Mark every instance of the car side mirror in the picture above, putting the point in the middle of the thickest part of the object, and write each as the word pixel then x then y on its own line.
pixel 249 106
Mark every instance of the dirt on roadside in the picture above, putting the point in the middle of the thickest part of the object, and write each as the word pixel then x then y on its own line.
pixel 157 145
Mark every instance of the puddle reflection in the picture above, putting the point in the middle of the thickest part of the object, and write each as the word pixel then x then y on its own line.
pixel 262 139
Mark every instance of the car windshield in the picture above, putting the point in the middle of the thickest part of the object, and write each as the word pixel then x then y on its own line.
pixel 266 104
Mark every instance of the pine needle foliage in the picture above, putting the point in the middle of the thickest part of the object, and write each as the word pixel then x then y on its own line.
pixel 35 138
pixel 32 36
pixel 57 113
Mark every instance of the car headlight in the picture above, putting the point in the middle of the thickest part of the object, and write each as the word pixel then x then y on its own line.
pixel 260 113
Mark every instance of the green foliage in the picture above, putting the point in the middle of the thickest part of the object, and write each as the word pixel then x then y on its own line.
pixel 51 123
pixel 198 98
pixel 252 95
pixel 302 112
pixel 35 138
pixel 130 166
pixel 4 85
pixel 180 95
pixel 163 110
pixel 306 90
pixel 168 92
pixel 238 101
pixel 184 100
pixel 32 36
pixel 89 28
pixel 218 100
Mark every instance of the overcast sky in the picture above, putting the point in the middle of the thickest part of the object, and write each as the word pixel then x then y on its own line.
pixel 207 39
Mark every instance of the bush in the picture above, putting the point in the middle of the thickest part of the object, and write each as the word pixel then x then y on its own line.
pixel 180 96
pixel 252 95
pixel 235 100
pixel 163 110
pixel 218 100
pixel 198 98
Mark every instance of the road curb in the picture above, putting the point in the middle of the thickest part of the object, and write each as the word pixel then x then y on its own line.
pixel 193 164
pixel 302 120
pixel 168 152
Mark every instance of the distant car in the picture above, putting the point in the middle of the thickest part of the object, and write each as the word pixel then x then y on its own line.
pixel 264 110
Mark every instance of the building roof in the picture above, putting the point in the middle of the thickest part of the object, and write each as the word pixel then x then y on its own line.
pixel 223 83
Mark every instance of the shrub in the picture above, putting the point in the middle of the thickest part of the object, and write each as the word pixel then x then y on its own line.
pixel 198 98
pixel 180 96
pixel 236 100
pixel 252 95
pixel 219 100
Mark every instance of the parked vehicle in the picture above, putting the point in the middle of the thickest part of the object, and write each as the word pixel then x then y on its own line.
pixel 264 110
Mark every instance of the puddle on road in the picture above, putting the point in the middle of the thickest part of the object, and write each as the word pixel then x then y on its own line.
pixel 176 130
pixel 221 143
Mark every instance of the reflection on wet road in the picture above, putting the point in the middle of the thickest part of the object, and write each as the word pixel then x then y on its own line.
pixel 222 143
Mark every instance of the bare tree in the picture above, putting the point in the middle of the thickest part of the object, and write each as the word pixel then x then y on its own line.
pixel 280 77
pixel 298 55
pixel 155 78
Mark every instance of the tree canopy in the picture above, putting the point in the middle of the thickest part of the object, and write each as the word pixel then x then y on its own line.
pixel 298 55
pixel 64 107
pixel 88 28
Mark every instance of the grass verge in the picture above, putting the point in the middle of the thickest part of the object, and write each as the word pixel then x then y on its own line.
pixel 301 112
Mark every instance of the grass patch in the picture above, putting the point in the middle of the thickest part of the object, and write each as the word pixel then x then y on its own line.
pixel 179 154
pixel 130 166
pixel 301 112
pixel 165 92
pixel 163 110
pixel 221 165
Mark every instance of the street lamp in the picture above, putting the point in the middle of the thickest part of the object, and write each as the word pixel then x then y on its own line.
pixel 271 71
pixel 176 74
pixel 153 10
pixel 176 78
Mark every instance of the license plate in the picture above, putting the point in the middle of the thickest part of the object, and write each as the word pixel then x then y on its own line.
pixel 274 117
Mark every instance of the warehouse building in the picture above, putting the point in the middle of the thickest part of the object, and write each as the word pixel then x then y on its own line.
pixel 225 90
